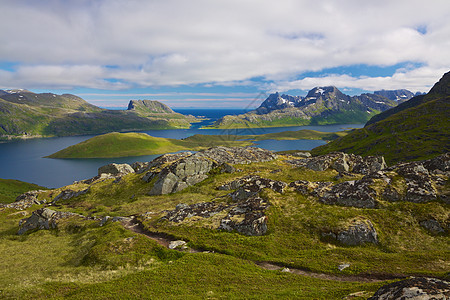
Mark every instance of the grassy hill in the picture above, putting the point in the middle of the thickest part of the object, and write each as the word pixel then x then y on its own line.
pixel 416 129
pixel 136 144
pixel 10 189
pixel 26 114
pixel 82 259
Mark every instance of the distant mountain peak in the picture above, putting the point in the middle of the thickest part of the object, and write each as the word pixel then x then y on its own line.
pixel 149 106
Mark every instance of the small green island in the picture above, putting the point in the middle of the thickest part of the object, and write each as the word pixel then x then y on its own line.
pixel 117 144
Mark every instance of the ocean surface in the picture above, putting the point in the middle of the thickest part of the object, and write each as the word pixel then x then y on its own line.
pixel 24 160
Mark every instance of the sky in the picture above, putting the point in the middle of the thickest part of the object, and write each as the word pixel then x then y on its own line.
pixel 221 53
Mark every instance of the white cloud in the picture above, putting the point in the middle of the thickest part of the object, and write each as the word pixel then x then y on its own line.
pixel 153 43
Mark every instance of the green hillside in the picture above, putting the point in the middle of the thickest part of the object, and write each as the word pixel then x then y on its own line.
pixel 416 129
pixel 10 189
pixel 25 114
pixel 137 144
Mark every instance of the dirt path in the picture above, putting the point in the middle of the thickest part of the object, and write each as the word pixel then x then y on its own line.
pixel 165 240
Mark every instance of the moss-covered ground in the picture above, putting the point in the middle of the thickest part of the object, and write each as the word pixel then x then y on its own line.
pixel 83 260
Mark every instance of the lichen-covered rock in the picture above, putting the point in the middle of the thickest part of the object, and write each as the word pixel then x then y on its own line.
pixel 69 194
pixel 418 288
pixel 316 189
pixel 343 162
pixel 25 200
pixel 192 169
pixel 358 232
pixel 44 218
pixel 355 193
pixel 247 218
pixel 251 185
pixel 203 209
pixel 440 163
pixel 116 169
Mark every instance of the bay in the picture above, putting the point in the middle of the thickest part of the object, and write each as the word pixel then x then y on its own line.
pixel 24 160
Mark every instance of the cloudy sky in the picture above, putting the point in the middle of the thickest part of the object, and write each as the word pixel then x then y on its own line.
pixel 230 53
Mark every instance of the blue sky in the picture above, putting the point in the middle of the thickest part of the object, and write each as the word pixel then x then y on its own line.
pixel 232 54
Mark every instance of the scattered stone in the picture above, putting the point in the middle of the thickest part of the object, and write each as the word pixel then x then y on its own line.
pixel 114 219
pixel 286 270
pixel 343 266
pixel 116 169
pixel 418 288
pixel 433 226
pixel 177 244
pixel 139 167
pixel 203 209
pixel 25 200
pixel 227 168
pixel 357 233
pixel 316 189
pixel 95 179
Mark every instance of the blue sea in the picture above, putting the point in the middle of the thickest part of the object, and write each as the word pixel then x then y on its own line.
pixel 24 160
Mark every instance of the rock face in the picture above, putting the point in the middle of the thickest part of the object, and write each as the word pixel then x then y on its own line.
pixel 418 288
pixel 357 233
pixel 356 193
pixel 43 218
pixel 24 201
pixel 116 169
pixel 191 169
pixel 69 194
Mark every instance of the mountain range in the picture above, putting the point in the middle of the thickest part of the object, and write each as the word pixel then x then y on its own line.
pixel 322 105
pixel 27 114
pixel 416 129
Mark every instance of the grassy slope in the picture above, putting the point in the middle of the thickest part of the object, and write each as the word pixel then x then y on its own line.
pixel 64 115
pixel 416 133
pixel 10 189
pixel 136 144
pixel 83 259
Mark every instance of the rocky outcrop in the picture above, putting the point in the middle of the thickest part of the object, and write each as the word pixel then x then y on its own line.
pixel 247 218
pixel 194 168
pixel 343 162
pixel 358 232
pixel 418 182
pixel 203 209
pixel 44 218
pixel 69 194
pixel 418 288
pixel 433 226
pixel 356 193
pixel 116 169
pixel 25 200
pixel 250 186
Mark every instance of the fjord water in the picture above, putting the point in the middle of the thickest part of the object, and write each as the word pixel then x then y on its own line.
pixel 24 160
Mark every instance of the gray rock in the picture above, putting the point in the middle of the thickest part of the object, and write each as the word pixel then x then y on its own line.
pixel 355 193
pixel 316 189
pixel 114 219
pixel 43 218
pixel 359 232
pixel 433 226
pixel 69 194
pixel 251 185
pixel 418 288
pixel 193 169
pixel 202 209
pixel 116 169
pixel 343 266
pixel 227 168
pixel 25 200
pixel 177 244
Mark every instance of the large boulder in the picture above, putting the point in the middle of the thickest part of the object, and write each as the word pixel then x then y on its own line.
pixel 192 169
pixel 69 194
pixel 358 232
pixel 116 169
pixel 418 288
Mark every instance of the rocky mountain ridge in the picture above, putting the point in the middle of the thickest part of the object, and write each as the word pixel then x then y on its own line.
pixel 415 129
pixel 322 105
